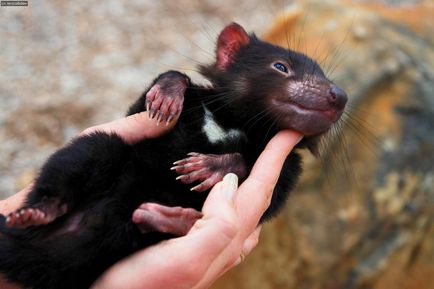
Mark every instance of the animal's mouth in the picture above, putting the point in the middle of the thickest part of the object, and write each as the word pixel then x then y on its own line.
pixel 331 113
pixel 307 120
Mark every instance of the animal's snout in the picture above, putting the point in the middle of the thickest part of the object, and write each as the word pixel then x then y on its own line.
pixel 337 97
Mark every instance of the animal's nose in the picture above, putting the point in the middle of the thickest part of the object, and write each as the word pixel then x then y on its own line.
pixel 337 97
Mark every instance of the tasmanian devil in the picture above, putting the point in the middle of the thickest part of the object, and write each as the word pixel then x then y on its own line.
pixel 77 219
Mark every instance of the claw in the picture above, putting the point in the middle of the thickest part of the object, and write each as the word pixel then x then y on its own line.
pixel 184 179
pixel 152 113
pixel 166 97
pixel 169 119
pixel 195 188
pixel 208 169
pixel 41 215
pixel 160 118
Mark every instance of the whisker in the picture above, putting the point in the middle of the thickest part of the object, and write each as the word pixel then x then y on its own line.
pixel 256 118
pixel 276 120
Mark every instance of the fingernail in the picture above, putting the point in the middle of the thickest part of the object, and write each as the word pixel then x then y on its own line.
pixel 230 185
pixel 299 140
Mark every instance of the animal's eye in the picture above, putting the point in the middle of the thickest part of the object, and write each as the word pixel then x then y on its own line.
pixel 280 66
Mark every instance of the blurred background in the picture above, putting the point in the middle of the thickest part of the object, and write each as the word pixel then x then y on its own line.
pixel 362 215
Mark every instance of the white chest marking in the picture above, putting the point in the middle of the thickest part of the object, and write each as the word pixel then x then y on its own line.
pixel 214 132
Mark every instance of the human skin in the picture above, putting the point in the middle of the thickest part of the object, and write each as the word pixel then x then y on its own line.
pixel 227 231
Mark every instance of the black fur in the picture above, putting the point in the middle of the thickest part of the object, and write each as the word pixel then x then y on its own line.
pixel 102 179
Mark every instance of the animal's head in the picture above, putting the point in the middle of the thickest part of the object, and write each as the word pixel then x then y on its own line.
pixel 266 83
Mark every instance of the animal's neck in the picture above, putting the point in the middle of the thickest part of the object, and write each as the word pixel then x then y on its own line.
pixel 257 128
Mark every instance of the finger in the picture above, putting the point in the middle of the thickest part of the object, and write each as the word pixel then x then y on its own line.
pixel 256 191
pixel 206 184
pixel 250 205
pixel 165 109
pixel 219 226
pixel 156 104
pixel 150 95
pixel 14 202
pixel 187 165
pixel 267 168
pixel 133 128
pixel 220 201
pixel 217 269
pixel 249 244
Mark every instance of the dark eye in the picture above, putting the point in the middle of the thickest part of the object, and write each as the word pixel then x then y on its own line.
pixel 280 66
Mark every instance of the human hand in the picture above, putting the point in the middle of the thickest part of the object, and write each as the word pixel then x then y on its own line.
pixel 227 231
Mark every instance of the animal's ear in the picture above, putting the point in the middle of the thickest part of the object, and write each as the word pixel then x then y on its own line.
pixel 230 40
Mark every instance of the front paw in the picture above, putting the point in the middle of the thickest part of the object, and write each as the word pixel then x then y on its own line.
pixel 166 98
pixel 208 169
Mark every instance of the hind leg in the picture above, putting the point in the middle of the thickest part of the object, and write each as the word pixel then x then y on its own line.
pixel 43 214
pixel 85 167
pixel 151 217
